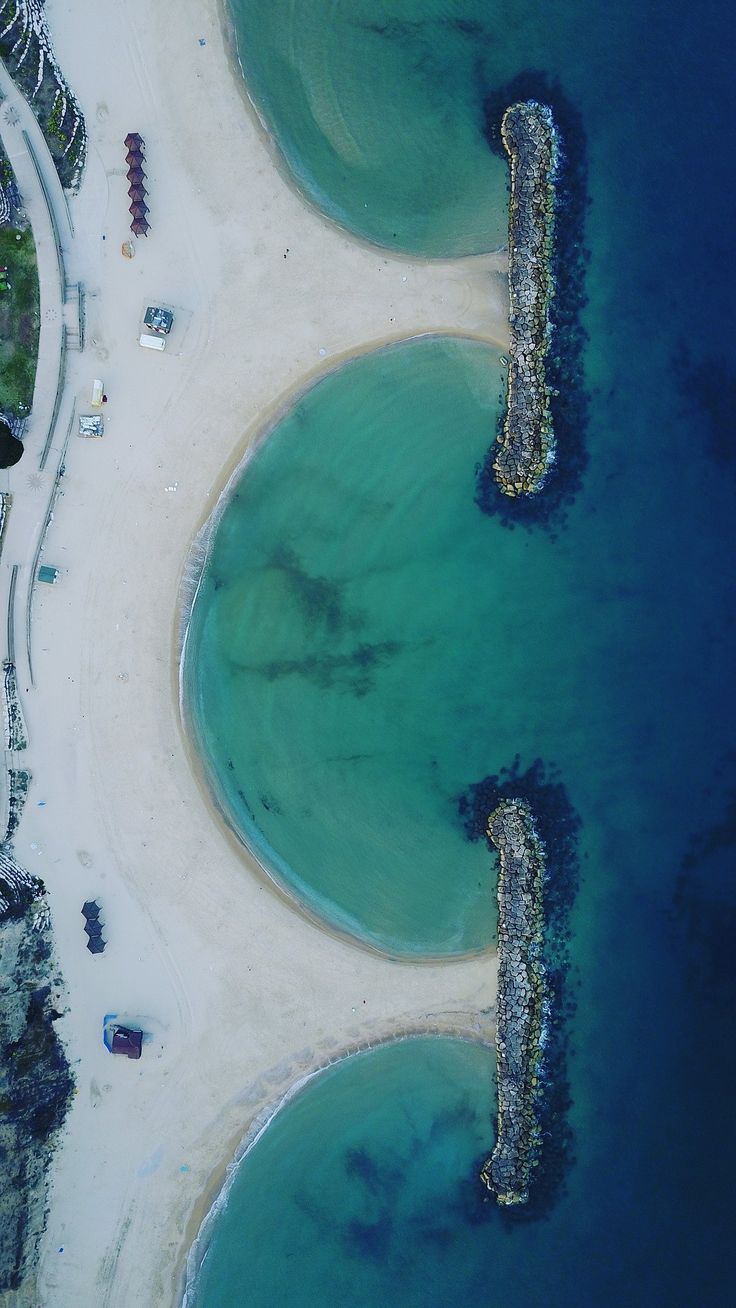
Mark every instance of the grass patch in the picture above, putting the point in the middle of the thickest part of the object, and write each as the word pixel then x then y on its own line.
pixel 19 320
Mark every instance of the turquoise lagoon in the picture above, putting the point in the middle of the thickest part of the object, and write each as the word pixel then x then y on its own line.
pixel 346 1213
pixel 373 104
pixel 340 653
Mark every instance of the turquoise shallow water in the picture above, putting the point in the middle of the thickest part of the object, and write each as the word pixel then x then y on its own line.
pixel 340 650
pixel 374 107
pixel 321 1215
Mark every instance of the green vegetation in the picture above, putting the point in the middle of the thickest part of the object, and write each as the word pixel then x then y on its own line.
pixel 19 320
pixel 56 109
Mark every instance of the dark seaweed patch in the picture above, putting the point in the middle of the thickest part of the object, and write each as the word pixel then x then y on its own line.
pixel 708 389
pixel 705 908
pixel 381 1179
pixel 558 826
pixel 321 599
pixel 565 362
pixel 371 1239
pixel 353 671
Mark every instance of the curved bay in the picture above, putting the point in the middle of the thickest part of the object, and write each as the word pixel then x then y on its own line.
pixel 341 645
pixel 361 1189
pixel 377 108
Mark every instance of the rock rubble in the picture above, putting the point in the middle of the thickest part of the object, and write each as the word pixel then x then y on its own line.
pixel 519 1005
pixel 525 444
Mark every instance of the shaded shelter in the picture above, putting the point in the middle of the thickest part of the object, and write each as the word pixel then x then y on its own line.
pixel 135 176
pixel 139 227
pixel 138 208
pixel 128 1042
pixel 96 945
pixel 134 157
pixel 90 908
pixel 93 927
pixel 137 191
pixel 134 141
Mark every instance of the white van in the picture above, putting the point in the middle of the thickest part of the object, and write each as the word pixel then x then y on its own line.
pixel 152 342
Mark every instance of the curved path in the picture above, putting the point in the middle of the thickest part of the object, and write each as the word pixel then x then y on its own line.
pixel 220 972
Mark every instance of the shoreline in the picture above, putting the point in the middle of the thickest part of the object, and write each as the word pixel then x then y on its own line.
pixel 278 159
pixel 192 574
pixel 195 935
pixel 261 429
pixel 225 1175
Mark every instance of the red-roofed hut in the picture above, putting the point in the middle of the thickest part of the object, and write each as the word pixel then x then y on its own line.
pixel 127 1042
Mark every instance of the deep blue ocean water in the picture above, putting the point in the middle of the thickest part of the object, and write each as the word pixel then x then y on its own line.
pixel 639 710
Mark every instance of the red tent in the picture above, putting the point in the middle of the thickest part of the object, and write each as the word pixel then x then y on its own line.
pixel 133 157
pixel 139 227
pixel 136 191
pixel 135 175
pixel 138 209
pixel 134 141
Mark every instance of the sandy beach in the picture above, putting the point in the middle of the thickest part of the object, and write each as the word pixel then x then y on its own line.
pixel 241 994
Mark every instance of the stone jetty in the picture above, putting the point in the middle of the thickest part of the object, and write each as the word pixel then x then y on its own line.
pixel 508 1171
pixel 526 445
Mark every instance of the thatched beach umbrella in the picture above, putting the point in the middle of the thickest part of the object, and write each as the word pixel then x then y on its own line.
pixel 137 191
pixel 134 141
pixel 139 227
pixel 138 209
pixel 133 157
pixel 90 909
pixel 96 945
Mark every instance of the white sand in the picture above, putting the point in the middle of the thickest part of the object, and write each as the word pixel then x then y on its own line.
pixel 241 994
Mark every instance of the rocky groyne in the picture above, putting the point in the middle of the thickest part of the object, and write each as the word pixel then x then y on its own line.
pixel 534 833
pixel 519 1006
pixel 526 446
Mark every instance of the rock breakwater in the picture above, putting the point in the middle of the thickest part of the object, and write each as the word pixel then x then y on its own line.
pixel 539 797
pixel 564 359
pixel 519 1007
pixel 526 444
